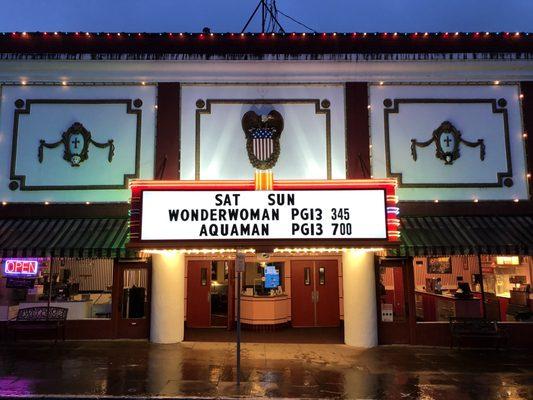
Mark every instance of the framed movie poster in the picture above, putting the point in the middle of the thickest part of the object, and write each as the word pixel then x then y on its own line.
pixel 439 265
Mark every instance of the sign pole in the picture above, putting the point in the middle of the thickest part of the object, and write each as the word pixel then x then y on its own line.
pixel 239 328
pixel 239 268
pixel 49 289
pixel 50 270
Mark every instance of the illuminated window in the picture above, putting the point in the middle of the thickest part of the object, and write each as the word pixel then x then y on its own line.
pixel 508 260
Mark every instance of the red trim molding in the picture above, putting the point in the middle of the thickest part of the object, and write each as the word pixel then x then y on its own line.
pixel 137 188
pixel 459 208
pixel 357 131
pixel 527 115
pixel 258 44
pixel 167 146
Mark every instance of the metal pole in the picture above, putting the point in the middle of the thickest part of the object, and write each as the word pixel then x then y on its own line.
pixel 239 328
pixel 252 16
pixel 50 283
pixel 49 289
pixel 482 287
pixel 263 16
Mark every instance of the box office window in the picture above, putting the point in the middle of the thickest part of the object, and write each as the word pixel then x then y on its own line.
pixel 264 278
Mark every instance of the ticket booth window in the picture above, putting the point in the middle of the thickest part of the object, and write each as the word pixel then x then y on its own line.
pixel 264 278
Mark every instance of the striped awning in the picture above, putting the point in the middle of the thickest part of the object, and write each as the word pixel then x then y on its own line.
pixel 496 235
pixel 64 237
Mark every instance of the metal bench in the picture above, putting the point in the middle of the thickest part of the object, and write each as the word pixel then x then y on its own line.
pixel 39 319
pixel 476 328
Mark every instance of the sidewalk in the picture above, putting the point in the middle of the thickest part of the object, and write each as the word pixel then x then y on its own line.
pixel 198 369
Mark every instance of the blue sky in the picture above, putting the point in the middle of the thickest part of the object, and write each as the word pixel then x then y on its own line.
pixel 231 15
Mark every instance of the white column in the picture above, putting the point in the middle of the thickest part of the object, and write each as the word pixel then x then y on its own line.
pixel 359 294
pixel 168 305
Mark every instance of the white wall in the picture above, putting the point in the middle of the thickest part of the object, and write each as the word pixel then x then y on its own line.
pixel 49 120
pixel 474 121
pixel 222 141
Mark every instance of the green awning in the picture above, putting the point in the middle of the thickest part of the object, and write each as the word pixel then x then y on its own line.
pixel 64 237
pixel 107 237
pixel 503 235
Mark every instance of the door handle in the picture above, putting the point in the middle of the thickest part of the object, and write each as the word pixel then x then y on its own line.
pixel 208 297
pixel 317 296
pixel 314 296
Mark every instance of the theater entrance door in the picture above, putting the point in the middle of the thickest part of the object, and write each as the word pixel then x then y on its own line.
pixel 131 300
pixel 210 299
pixel 315 293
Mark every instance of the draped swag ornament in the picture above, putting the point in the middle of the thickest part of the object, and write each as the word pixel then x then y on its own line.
pixel 447 140
pixel 76 140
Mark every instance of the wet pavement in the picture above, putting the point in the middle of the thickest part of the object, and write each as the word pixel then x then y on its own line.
pixel 200 369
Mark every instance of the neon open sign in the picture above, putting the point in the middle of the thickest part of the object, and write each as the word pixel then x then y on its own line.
pixel 21 267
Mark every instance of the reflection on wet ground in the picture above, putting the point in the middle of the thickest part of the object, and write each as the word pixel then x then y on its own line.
pixel 138 368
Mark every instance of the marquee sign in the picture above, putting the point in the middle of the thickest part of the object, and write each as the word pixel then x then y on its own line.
pixel 182 214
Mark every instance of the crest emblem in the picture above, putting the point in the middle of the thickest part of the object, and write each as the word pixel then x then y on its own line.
pixel 76 141
pixel 262 138
pixel 447 140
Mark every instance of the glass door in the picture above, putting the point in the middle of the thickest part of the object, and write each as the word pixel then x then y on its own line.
pixel 219 293
pixel 132 292
pixel 395 306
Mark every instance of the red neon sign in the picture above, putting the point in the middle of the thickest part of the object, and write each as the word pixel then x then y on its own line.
pixel 21 267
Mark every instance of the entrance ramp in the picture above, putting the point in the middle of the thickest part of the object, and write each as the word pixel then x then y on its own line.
pixel 289 335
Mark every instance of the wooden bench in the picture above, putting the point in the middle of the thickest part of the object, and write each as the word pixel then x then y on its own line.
pixel 475 328
pixel 39 319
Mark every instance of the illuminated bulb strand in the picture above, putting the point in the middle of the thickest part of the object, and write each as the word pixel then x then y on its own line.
pixel 196 251
pixel 393 222
pixel 307 250
pixel 313 250
pixel 332 35
pixel 392 198
pixel 393 210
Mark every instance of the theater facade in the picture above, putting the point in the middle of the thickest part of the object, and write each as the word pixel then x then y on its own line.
pixel 372 185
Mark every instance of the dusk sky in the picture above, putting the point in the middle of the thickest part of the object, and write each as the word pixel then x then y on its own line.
pixel 231 15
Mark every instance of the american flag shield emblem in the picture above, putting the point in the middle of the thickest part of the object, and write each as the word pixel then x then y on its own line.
pixel 263 142
pixel 262 138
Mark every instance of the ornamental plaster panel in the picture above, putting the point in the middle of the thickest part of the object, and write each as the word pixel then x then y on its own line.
pixel 213 144
pixel 45 161
pixel 479 155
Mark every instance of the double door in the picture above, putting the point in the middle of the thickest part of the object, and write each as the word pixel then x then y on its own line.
pixel 315 293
